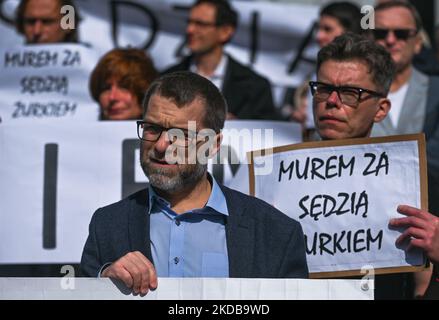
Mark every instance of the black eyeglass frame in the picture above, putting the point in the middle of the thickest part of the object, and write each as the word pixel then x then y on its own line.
pixel 190 134
pixel 400 34
pixel 313 86
pixel 202 24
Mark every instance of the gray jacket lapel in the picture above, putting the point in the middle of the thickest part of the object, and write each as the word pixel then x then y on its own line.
pixel 412 117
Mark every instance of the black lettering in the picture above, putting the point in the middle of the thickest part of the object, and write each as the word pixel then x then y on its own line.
pixel 343 166
pixel 326 212
pixel 370 239
pixel 343 242
pixel 363 202
pixel 324 240
pixel 329 167
pixel 33 59
pixel 49 195
pixel 226 153
pixel 282 170
pixel 129 184
pixel 315 205
pixel 313 249
pixel 305 210
pixel 40 110
pixel 304 173
pixel 154 23
pixel 383 162
pixel 325 205
pixel 254 36
pixel 71 58
pixel 19 108
pixel 358 240
pixel 345 197
pixel 337 240
pixel 300 56
pixel 316 164
pixel 4 17
pixel 48 84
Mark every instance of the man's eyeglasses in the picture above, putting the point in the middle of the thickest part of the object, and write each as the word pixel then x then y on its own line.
pixel 178 136
pixel 351 96
pixel 201 24
pixel 44 21
pixel 400 34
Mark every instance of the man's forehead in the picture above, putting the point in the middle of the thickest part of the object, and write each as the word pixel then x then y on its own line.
pixel 43 7
pixel 159 103
pixel 344 72
pixel 204 10
pixel 400 17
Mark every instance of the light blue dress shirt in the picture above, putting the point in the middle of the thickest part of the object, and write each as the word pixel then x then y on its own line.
pixel 191 244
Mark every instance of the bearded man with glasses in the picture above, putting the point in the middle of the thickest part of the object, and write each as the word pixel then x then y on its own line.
pixel 185 224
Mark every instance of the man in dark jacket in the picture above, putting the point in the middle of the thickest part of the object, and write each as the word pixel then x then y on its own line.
pixel 211 25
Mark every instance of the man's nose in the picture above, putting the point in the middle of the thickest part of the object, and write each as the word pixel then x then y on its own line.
pixel 390 37
pixel 334 99
pixel 162 143
pixel 37 27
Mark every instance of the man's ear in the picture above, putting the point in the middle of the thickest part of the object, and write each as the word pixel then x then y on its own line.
pixel 418 43
pixel 226 32
pixel 217 145
pixel 384 106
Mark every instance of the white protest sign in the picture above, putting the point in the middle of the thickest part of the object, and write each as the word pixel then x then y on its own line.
pixel 47 82
pixel 269 36
pixel 344 193
pixel 54 175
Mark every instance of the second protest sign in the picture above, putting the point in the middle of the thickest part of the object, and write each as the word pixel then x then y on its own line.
pixel 344 193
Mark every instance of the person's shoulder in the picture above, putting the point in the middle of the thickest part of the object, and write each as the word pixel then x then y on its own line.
pixel 183 65
pixel 120 209
pixel 258 209
pixel 240 70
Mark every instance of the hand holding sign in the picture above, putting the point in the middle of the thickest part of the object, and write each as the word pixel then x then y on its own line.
pixel 422 230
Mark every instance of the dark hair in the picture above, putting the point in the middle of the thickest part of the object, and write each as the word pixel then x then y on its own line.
pixel 225 15
pixel 132 68
pixel 349 46
pixel 183 88
pixel 347 14
pixel 402 4
pixel 71 36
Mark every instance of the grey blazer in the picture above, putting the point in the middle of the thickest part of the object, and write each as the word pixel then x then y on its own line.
pixel 262 242
pixel 420 113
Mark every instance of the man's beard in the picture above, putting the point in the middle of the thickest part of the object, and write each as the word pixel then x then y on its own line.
pixel 170 180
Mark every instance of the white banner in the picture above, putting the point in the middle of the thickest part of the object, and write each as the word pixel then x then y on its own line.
pixel 190 289
pixel 344 194
pixel 47 82
pixel 54 175
pixel 275 38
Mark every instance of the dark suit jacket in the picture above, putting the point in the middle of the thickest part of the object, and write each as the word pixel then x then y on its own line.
pixel 262 242
pixel 248 94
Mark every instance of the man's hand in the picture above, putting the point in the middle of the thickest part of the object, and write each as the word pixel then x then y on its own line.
pixel 422 230
pixel 135 270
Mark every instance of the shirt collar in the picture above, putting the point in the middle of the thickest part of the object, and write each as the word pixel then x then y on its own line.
pixel 220 70
pixel 216 201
